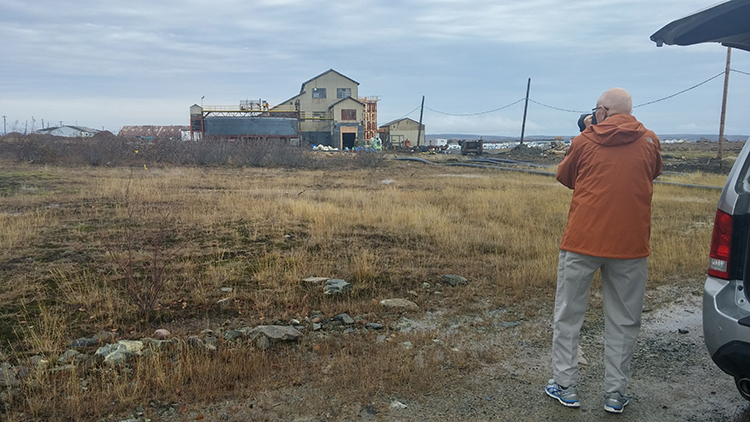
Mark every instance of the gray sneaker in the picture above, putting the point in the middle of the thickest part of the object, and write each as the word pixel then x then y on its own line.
pixel 567 396
pixel 615 402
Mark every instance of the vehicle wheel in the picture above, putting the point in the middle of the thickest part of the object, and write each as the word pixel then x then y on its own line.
pixel 743 385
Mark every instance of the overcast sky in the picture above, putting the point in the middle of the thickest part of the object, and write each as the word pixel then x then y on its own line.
pixel 107 64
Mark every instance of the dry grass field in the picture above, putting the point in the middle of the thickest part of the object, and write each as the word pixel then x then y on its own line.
pixel 82 247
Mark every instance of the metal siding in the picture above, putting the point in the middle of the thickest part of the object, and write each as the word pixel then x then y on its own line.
pixel 260 126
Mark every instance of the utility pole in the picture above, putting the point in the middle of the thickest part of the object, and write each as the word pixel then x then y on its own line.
pixel 419 129
pixel 525 107
pixel 724 103
pixel 5 132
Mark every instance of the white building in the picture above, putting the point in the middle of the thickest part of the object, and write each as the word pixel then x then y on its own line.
pixel 69 131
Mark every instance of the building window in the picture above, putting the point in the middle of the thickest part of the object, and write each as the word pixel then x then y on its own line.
pixel 319 92
pixel 343 92
pixel 348 114
pixel 319 114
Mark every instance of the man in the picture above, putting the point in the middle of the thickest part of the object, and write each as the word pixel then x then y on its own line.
pixel 610 166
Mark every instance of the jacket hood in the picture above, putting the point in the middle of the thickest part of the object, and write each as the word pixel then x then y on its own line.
pixel 616 130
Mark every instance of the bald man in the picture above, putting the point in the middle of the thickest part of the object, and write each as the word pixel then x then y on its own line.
pixel 610 166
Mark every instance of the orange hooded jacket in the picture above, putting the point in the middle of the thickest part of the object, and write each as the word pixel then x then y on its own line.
pixel 611 167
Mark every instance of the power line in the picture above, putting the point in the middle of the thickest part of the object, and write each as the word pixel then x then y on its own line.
pixel 739 71
pixel 479 113
pixel 555 108
pixel 681 92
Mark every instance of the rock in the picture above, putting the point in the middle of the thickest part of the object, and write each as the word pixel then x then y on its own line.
pixel 8 376
pixel 399 304
pixel 336 286
pixel 224 303
pixel 226 289
pixel 373 326
pixel 84 342
pixel 106 336
pixel 275 333
pixel 263 343
pixel 315 280
pixel 162 334
pixel 232 334
pixel 316 326
pixel 198 344
pixel 683 330
pixel 395 404
pixel 68 356
pixel 454 280
pixel 344 318
pixel 120 352
pixel 114 354
pixel 407 345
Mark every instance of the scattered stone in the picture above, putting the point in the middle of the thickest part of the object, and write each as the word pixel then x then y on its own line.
pixel 316 326
pixel 263 343
pixel 83 342
pixel 403 304
pixel 199 344
pixel 374 326
pixel 275 333
pixel 413 293
pixel 344 318
pixel 683 330
pixel 407 345
pixel 224 302
pixel 8 376
pixel 226 289
pixel 114 354
pixel 582 360
pixel 454 280
pixel 68 356
pixel 380 339
pixel 106 336
pixel 162 334
pixel 316 320
pixel 336 286
pixel 426 286
pixel 395 404
pixel 232 334
pixel 315 280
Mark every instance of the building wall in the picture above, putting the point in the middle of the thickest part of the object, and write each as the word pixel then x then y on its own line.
pixel 257 126
pixel 316 109
pixel 405 129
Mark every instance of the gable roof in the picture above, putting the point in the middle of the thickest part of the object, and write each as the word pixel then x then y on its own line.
pixel 398 120
pixel 344 99
pixel 326 72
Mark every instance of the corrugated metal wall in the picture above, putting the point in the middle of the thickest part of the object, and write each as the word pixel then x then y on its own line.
pixel 251 126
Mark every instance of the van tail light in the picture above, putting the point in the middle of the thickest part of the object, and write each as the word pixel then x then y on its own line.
pixel 721 245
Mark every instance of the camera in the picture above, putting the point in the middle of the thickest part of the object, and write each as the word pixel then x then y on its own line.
pixel 581 124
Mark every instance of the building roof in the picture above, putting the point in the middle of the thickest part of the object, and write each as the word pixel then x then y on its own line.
pixel 63 128
pixel 398 120
pixel 154 131
pixel 344 99
pixel 326 72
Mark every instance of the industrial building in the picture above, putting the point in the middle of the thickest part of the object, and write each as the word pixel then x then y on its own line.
pixel 327 111
pixel 69 131
pixel 149 132
pixel 402 133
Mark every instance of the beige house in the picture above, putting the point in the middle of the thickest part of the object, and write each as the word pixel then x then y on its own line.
pixel 329 112
pixel 402 133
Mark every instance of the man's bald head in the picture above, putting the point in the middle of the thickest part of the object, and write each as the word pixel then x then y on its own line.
pixel 617 101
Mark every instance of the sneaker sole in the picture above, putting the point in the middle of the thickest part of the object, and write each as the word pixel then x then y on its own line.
pixel 611 409
pixel 563 402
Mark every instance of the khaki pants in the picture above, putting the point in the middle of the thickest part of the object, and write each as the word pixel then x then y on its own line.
pixel 623 287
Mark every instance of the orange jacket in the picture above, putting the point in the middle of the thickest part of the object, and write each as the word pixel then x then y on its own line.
pixel 611 167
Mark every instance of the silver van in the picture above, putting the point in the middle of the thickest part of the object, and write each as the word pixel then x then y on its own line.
pixel 726 300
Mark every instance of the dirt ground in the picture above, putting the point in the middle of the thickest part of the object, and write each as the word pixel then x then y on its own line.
pixel 673 378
